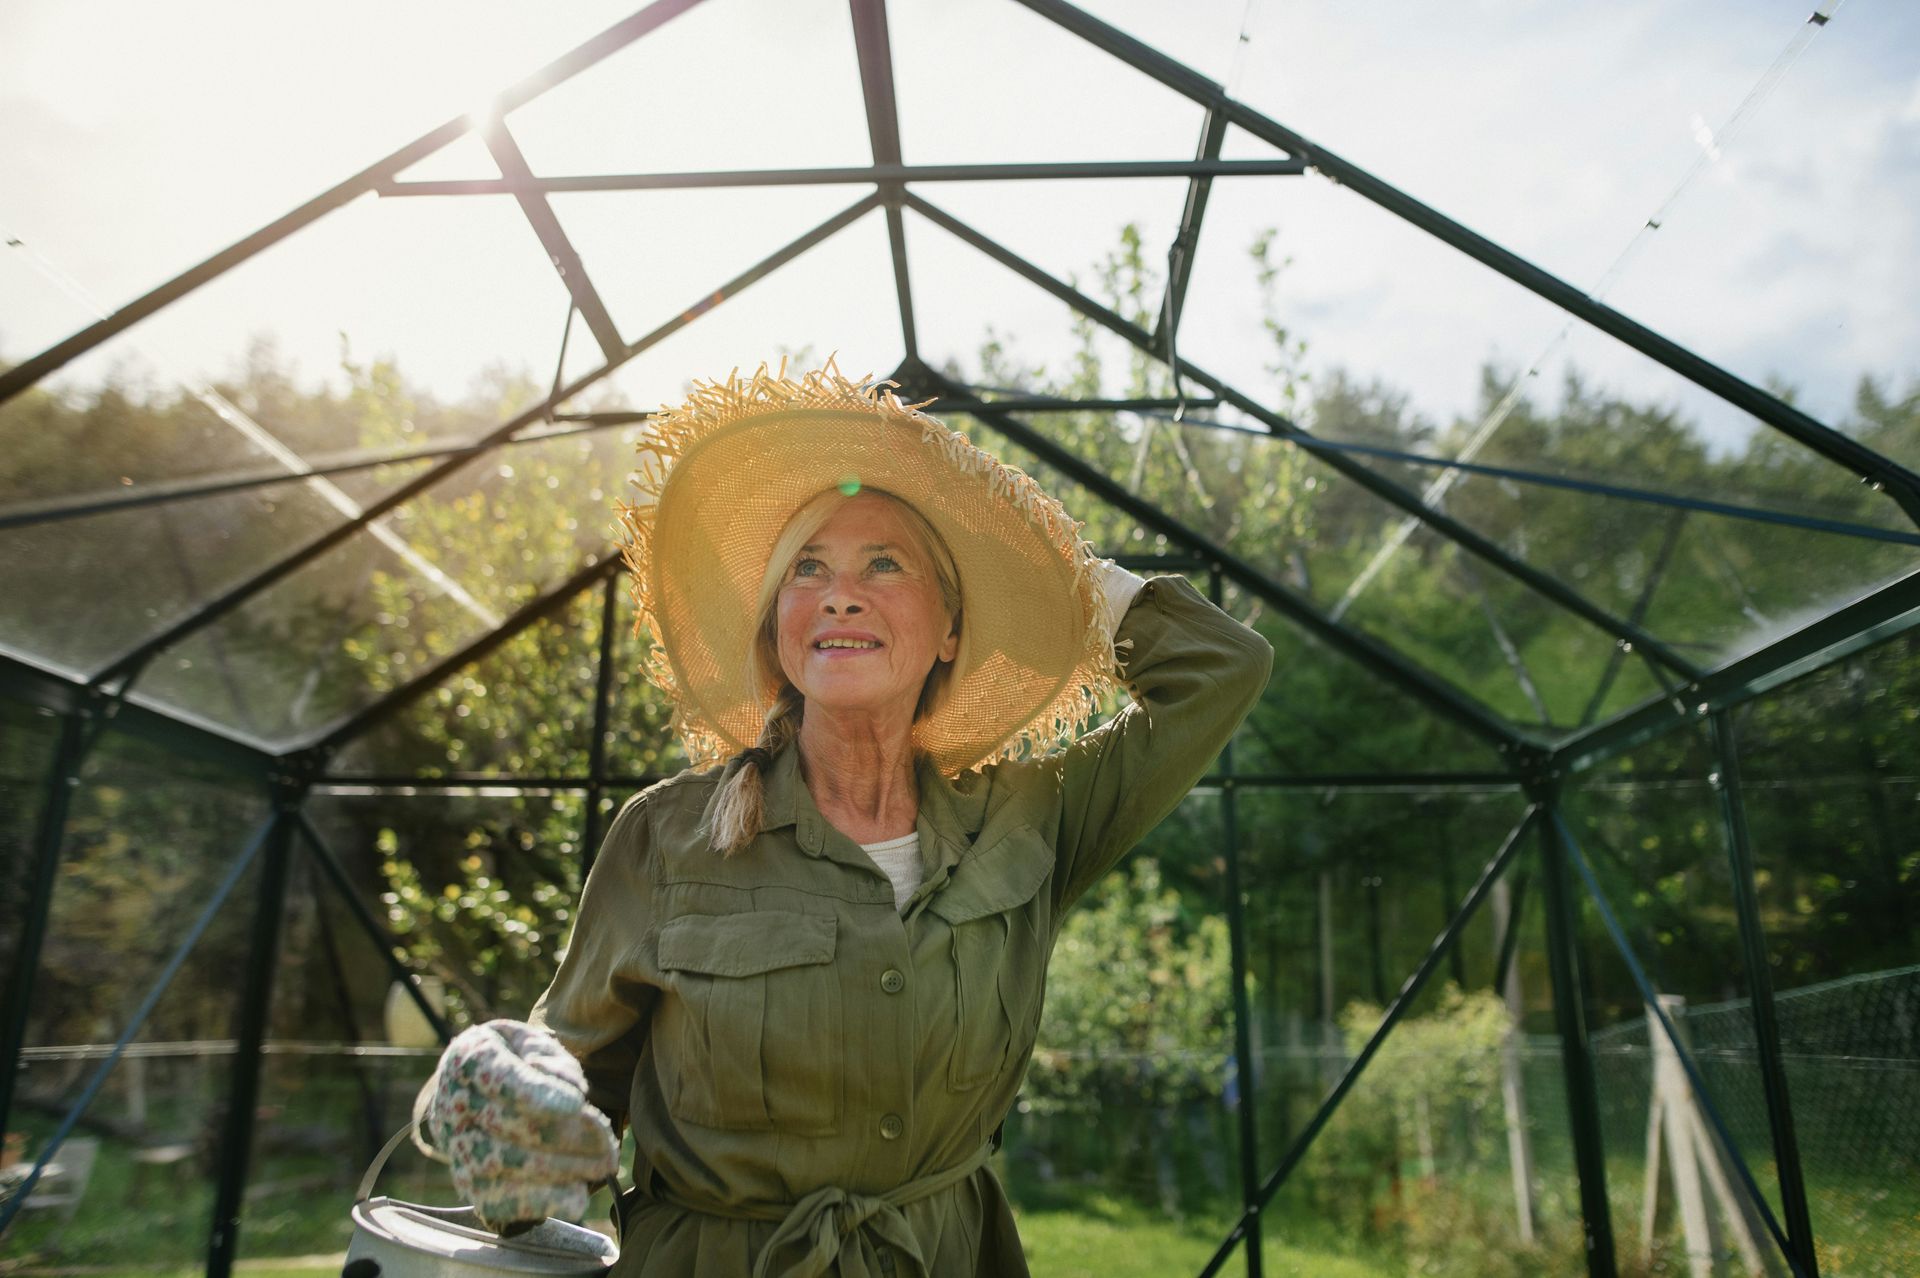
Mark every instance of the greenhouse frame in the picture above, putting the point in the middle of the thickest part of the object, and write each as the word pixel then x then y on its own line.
pixel 1674 1085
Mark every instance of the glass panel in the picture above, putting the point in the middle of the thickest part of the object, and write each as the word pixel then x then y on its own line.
pixel 150 837
pixel 1829 765
pixel 1511 648
pixel 1325 713
pixel 1351 308
pixel 808 308
pixel 1319 532
pixel 1027 85
pixel 1713 588
pixel 371 614
pixel 482 886
pixel 397 277
pixel 1122 1142
pixel 791 100
pixel 1347 892
pixel 524 710
pixel 1650 826
pixel 149 567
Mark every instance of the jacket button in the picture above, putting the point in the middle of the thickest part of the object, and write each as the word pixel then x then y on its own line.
pixel 892 981
pixel 891 1126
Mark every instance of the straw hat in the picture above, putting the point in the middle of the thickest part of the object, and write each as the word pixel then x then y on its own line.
pixel 719 477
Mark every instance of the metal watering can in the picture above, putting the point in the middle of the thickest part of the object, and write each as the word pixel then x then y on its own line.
pixel 395 1239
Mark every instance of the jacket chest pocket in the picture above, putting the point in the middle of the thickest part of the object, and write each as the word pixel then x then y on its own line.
pixel 999 957
pixel 759 1021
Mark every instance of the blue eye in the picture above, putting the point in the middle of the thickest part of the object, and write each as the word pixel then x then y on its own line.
pixel 888 560
pixel 800 569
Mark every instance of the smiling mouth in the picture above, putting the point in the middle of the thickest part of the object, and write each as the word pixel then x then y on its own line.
pixel 847 645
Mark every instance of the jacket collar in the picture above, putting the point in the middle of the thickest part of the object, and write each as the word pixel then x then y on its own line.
pixel 950 815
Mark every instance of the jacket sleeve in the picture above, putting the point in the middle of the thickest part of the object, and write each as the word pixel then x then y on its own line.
pixel 595 1006
pixel 1194 673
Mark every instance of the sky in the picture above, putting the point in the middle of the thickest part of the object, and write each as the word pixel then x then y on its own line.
pixel 138 139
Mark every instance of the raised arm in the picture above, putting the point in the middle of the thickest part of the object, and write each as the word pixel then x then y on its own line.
pixel 1194 673
pixel 594 1006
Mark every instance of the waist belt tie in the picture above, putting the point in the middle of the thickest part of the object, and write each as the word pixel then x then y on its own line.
pixel 831 1225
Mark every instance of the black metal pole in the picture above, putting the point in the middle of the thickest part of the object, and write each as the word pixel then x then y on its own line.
pixel 1766 1024
pixel 1793 1192
pixel 243 1092
pixel 1576 1054
pixel 1243 1065
pixel 62 779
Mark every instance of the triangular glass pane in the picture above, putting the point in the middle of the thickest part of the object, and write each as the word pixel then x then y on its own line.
pixel 654 256
pixel 524 710
pixel 1649 825
pixel 149 566
pixel 1511 648
pixel 150 840
pixel 253 367
pixel 1827 769
pixel 1323 713
pixel 1713 587
pixel 718 87
pixel 319 643
pixel 128 165
pixel 1313 528
pixel 1027 86
pixel 835 298
pixel 1349 304
pixel 1347 893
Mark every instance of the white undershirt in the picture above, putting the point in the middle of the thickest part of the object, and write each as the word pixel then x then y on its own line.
pixel 900 859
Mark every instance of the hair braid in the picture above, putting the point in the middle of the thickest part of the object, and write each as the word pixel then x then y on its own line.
pixel 738 814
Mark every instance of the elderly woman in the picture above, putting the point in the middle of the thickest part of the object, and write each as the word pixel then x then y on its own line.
pixel 809 973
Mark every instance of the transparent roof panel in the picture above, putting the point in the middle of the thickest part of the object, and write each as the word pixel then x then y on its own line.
pixel 1447 360
pixel 525 709
pixel 1506 645
pixel 150 566
pixel 784 93
pixel 836 297
pixel 1025 84
pixel 1323 712
pixel 626 241
pixel 321 642
pixel 1711 587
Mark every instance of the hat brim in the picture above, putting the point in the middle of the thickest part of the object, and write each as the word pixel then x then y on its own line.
pixel 1034 658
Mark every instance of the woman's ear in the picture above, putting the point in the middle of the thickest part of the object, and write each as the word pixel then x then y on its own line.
pixel 950 646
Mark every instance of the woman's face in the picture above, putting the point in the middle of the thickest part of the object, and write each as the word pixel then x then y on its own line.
pixel 861 622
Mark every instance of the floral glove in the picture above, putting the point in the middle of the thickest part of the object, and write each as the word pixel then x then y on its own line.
pixel 507 1108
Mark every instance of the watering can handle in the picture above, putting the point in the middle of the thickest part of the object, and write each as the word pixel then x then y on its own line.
pixel 380 1162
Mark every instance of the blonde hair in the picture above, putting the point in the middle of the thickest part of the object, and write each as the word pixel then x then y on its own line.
pixel 738 812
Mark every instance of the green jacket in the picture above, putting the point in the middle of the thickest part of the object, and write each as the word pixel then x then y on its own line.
pixel 812 1076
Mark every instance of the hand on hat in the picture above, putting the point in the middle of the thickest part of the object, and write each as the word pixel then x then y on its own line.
pixel 507 1109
